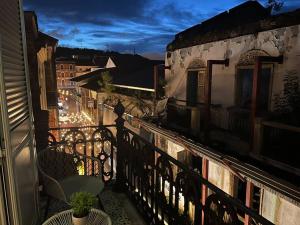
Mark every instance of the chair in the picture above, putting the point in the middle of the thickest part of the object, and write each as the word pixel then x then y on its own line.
pixel 60 177
pixel 65 218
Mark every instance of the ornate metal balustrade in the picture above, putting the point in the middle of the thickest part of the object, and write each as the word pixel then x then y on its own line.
pixel 168 192
pixel 164 190
pixel 95 141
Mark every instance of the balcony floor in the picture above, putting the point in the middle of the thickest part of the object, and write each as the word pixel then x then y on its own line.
pixel 116 205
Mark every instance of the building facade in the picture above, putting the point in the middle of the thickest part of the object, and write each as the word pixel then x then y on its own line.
pixel 65 70
pixel 41 50
pixel 223 79
pixel 231 80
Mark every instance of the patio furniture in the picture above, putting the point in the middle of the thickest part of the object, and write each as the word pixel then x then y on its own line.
pixel 59 169
pixel 96 217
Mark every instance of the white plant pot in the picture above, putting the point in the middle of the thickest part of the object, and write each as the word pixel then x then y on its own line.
pixel 80 221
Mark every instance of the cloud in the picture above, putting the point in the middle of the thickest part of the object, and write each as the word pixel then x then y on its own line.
pixel 123 25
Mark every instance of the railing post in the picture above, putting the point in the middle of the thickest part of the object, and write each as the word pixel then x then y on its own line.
pixel 249 200
pixel 204 187
pixel 119 110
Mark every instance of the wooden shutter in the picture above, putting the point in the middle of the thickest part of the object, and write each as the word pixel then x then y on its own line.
pixel 191 88
pixel 16 125
pixel 13 63
pixel 201 85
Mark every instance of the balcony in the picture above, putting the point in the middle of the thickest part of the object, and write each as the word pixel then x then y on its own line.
pixel 161 189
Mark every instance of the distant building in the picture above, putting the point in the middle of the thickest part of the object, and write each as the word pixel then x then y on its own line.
pixel 132 81
pixel 65 70
pixel 89 64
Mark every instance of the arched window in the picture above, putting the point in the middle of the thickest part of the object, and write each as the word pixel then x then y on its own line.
pixel 61 66
pixel 71 67
pixel 62 74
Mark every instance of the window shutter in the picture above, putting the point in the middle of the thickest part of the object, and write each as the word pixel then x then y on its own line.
pixel 13 63
pixel 19 165
pixel 201 85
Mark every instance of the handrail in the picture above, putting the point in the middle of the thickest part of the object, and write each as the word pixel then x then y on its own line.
pixel 226 197
pixel 82 127
pixel 282 126
pixel 260 177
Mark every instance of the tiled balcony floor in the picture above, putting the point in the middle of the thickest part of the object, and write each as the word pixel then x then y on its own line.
pixel 116 205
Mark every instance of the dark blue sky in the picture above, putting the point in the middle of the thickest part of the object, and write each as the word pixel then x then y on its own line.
pixel 123 25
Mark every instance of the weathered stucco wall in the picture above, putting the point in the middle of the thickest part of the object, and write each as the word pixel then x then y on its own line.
pixel 278 210
pixel 284 41
pixel 221 177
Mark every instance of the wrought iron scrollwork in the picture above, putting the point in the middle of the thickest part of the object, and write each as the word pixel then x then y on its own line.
pixel 94 141
pixel 219 212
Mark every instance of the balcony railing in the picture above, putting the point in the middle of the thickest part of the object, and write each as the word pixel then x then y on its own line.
pixel 164 190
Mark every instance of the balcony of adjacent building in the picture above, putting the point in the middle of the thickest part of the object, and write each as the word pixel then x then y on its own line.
pixel 142 183
pixel 253 120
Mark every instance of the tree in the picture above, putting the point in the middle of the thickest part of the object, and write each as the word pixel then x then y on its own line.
pixel 287 103
pixel 275 5
pixel 105 83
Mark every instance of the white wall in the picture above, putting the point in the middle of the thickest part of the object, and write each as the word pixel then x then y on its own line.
pixel 284 41
pixel 221 177
pixel 278 210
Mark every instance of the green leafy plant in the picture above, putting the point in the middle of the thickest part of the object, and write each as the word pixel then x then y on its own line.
pixel 81 203
pixel 105 83
pixel 287 103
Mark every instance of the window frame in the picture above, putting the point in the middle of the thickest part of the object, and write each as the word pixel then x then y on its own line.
pixel 236 82
pixel 199 70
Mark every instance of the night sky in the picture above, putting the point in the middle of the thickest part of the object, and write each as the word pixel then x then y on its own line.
pixel 124 25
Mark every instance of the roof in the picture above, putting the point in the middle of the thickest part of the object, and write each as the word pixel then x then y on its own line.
pixel 84 62
pixel 65 60
pixel 247 18
pixel 47 38
pixel 129 62
pixel 134 72
pixel 100 61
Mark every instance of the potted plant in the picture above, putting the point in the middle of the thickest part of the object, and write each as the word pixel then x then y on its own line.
pixel 81 203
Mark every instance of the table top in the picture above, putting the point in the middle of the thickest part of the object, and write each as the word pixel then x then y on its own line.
pixel 96 217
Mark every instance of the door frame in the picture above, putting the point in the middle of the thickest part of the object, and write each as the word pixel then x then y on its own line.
pixel 264 66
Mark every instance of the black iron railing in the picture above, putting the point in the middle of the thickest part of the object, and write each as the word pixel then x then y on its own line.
pixel 164 190
pixel 94 141
pixel 168 192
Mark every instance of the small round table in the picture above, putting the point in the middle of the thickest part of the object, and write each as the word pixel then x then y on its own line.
pixel 96 217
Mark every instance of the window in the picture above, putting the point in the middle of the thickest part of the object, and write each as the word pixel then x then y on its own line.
pixel 62 74
pixel 244 88
pixel 62 82
pixel 61 66
pixel 195 87
pixel 71 67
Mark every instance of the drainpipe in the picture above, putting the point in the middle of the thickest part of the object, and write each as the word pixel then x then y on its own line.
pixel 207 100
pixel 256 88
